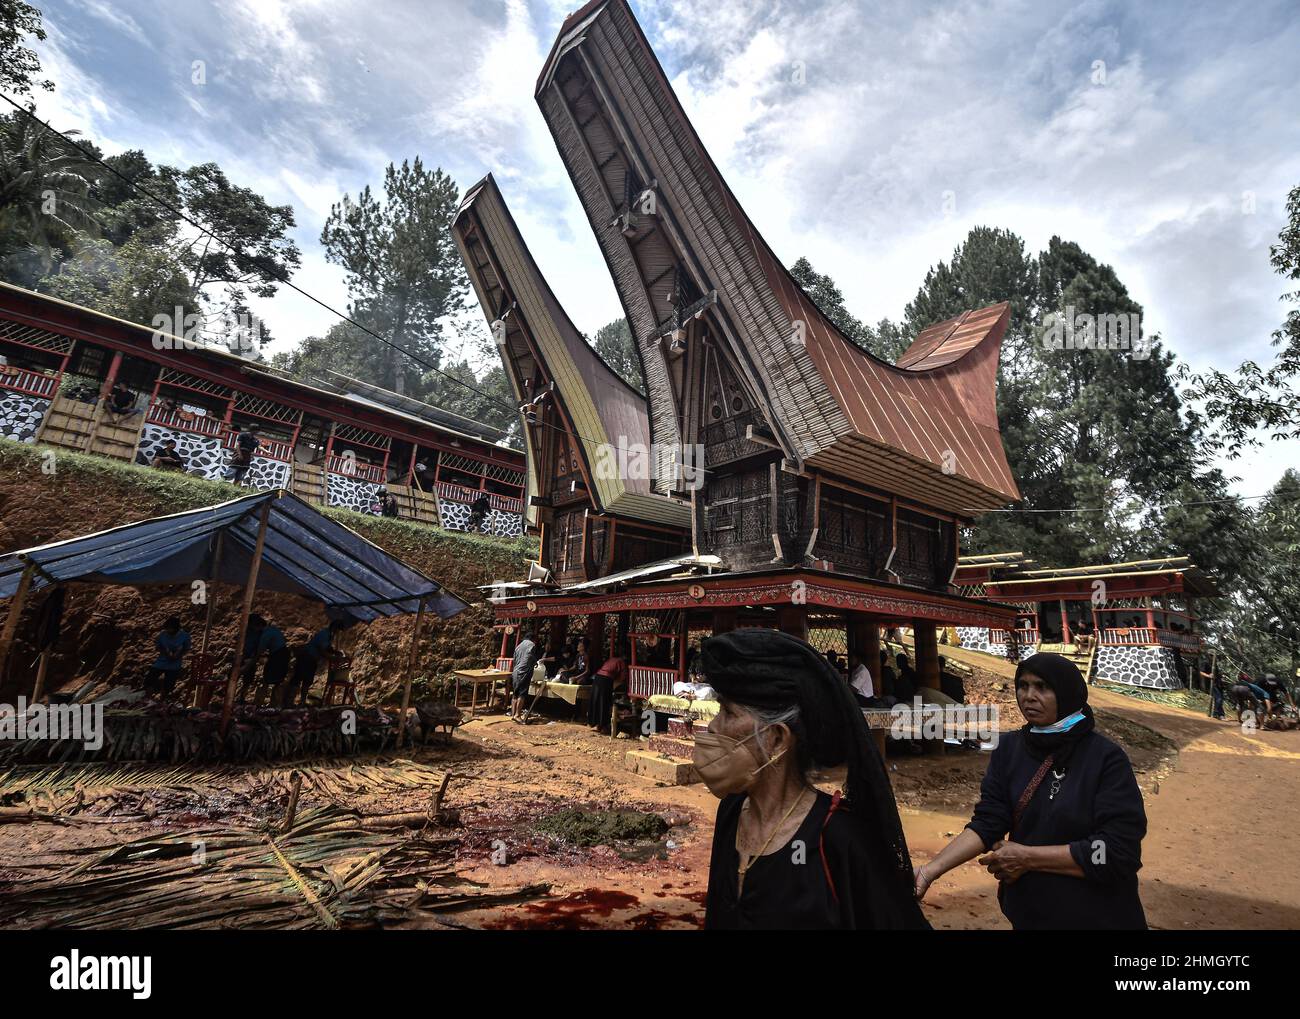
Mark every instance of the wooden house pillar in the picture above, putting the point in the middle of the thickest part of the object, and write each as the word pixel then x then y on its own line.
pixel 596 635
pixel 410 674
pixel 114 366
pixel 864 641
pixel 926 642
pixel 793 619
pixel 557 629
pixel 250 587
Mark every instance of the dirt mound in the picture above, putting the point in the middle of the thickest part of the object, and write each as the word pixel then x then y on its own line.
pixel 108 632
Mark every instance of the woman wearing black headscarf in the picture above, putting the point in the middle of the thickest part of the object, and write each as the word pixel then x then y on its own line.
pixel 1060 817
pixel 786 856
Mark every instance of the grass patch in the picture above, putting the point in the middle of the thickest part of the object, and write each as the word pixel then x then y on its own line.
pixel 1189 700
pixel 602 827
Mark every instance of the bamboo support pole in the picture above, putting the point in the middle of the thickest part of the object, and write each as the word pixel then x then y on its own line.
pixel 228 707
pixel 410 675
pixel 15 610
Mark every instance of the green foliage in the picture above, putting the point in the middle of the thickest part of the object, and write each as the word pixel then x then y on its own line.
pixel 19 64
pixel 404 273
pixel 614 344
pixel 601 827
pixel 887 341
pixel 71 228
pixel 1257 626
pixel 348 350
pixel 125 211
pixel 45 191
pixel 1101 430
pixel 135 281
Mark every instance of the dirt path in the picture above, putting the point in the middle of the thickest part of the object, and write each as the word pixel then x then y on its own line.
pixel 1218 800
pixel 1214 855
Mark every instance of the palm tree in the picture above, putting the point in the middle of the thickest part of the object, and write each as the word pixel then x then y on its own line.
pixel 44 187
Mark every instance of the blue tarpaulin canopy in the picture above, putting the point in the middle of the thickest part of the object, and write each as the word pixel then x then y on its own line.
pixel 305 553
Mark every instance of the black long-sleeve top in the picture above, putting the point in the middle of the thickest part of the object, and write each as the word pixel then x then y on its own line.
pixel 1097 812
pixel 790 889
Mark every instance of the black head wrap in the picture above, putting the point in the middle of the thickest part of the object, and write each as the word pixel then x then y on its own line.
pixel 1067 682
pixel 773 671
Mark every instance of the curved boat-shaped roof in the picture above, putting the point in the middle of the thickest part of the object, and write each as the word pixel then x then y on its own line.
pixel 925 429
pixel 603 413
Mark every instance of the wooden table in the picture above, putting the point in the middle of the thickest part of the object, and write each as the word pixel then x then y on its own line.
pixel 477 678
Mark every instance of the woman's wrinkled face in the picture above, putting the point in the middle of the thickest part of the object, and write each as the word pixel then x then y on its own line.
pixel 732 720
pixel 1037 700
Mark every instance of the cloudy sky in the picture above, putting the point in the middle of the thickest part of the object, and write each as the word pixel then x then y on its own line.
pixel 868 136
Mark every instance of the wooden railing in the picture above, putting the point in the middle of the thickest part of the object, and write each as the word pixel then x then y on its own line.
pixel 1026 637
pixel 644 681
pixel 272 449
pixel 357 469
pixel 30 383
pixel 458 493
pixel 505 664
pixel 201 424
pixel 1129 635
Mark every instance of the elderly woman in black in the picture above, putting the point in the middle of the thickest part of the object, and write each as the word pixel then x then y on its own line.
pixel 786 856
pixel 1060 817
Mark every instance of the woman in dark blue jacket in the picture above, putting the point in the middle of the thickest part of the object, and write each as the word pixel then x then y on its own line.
pixel 1060 819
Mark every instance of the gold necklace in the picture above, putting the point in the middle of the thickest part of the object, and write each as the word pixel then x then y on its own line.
pixel 743 867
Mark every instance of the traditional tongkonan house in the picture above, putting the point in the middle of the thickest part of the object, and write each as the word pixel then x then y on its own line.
pixel 1129 623
pixel 824 489
pixel 587 431
pixel 334 442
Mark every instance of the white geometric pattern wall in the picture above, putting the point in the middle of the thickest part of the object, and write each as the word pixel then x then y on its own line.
pixel 206 457
pixel 454 516
pixel 351 493
pixel 1150 667
pixel 976 638
pixel 21 415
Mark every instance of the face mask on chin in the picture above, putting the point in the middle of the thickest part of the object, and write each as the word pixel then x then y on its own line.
pixel 722 764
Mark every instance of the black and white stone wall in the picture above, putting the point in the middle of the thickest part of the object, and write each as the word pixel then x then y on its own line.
pixel 21 415
pixel 976 638
pixel 454 516
pixel 206 457
pixel 350 493
pixel 507 525
pixel 1150 667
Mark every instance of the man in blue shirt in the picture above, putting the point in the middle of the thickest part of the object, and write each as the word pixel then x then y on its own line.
pixel 172 643
pixel 264 639
pixel 307 664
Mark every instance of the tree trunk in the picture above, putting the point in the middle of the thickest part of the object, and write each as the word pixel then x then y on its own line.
pixel 397 353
